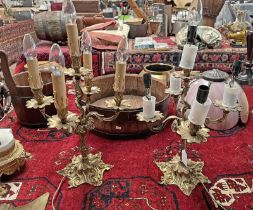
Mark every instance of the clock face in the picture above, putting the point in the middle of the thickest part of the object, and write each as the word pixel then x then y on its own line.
pixel 182 3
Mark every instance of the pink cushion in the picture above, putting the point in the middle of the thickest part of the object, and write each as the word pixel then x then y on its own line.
pixel 56 6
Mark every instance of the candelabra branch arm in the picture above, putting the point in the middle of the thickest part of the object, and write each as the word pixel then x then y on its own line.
pixel 163 124
pixel 111 118
pixel 185 104
pixel 43 112
pixel 185 107
pixel 102 118
pixel 218 120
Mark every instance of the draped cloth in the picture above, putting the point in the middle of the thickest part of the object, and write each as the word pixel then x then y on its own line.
pixel 106 36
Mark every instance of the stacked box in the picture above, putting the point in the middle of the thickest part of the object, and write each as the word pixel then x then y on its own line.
pixel 87 6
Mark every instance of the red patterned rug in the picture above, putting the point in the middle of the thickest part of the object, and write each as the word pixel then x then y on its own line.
pixel 134 181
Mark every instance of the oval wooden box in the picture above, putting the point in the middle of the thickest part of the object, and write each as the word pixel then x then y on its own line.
pixel 126 125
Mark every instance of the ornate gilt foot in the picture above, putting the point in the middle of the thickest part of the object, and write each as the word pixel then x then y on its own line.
pixel 185 177
pixel 88 170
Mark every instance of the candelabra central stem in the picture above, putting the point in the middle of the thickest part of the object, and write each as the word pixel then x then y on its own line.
pixel 180 171
pixel 76 64
pixel 83 147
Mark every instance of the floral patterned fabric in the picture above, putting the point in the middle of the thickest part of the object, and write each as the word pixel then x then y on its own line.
pixel 11 38
pixel 222 58
pixel 104 61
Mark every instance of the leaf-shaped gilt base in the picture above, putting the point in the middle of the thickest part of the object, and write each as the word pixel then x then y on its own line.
pixel 85 170
pixel 185 177
pixel 184 131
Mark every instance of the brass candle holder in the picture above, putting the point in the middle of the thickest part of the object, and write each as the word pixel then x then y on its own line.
pixel 175 172
pixel 120 74
pixel 180 171
pixel 39 100
pixel 86 167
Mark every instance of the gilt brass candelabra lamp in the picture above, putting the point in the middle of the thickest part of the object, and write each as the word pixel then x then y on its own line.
pixel 86 167
pixel 181 171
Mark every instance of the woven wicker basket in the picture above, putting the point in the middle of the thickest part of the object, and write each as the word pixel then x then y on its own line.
pixel 211 10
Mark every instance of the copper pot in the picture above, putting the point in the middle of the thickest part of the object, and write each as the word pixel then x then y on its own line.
pixel 159 71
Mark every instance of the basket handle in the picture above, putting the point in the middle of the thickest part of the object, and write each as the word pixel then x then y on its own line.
pixel 7 74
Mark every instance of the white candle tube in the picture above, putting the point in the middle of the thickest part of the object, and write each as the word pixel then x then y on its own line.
pixel 35 80
pixel 73 40
pixel 149 107
pixel 59 87
pixel 188 56
pixel 6 139
pixel 230 95
pixel 198 112
pixel 175 83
